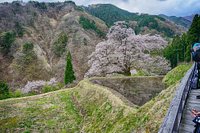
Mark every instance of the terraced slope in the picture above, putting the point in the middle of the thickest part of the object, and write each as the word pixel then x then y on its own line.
pixel 87 107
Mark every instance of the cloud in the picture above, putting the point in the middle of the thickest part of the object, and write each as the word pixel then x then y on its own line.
pixel 168 7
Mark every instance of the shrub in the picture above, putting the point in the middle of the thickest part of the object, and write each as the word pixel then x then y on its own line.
pixel 19 30
pixel 15 94
pixel 49 88
pixel 6 41
pixel 4 90
pixel 28 52
pixel 27 47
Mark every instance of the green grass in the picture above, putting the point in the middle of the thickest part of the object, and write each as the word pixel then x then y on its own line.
pixel 86 107
pixel 70 110
pixel 176 74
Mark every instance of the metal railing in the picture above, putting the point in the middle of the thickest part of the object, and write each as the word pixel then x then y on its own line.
pixel 172 120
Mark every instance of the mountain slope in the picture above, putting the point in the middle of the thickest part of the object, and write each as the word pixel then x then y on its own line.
pixel 143 23
pixel 109 13
pixel 50 30
pixel 189 18
pixel 178 20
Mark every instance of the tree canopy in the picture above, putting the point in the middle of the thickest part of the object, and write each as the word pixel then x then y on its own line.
pixel 179 49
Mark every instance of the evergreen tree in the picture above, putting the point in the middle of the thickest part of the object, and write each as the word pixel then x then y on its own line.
pixel 4 90
pixel 69 76
pixel 194 32
pixel 179 49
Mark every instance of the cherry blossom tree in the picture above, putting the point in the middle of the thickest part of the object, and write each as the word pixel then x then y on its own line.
pixel 123 50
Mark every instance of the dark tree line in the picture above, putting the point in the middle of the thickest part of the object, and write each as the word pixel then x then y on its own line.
pixel 179 49
pixel 90 25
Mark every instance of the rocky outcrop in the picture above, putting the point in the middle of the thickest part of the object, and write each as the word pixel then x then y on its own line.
pixel 124 51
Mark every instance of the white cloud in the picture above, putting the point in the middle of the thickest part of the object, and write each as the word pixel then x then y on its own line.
pixel 169 7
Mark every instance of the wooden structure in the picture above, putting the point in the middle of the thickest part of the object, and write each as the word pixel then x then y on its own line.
pixel 178 118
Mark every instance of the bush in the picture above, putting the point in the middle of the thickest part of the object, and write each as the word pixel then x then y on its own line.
pixel 48 88
pixel 29 54
pixel 27 47
pixel 4 90
pixel 19 30
pixel 6 41
pixel 15 94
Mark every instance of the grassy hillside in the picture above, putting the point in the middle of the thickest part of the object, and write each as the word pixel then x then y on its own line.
pixel 84 108
pixel 87 107
pixel 176 74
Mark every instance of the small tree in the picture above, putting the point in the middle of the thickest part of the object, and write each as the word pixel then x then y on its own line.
pixel 6 41
pixel 69 76
pixel 19 30
pixel 28 53
pixel 4 90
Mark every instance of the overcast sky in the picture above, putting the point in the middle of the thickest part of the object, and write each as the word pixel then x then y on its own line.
pixel 168 7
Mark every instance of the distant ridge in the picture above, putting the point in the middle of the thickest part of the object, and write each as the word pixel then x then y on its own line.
pixel 185 22
pixel 190 18
pixel 141 23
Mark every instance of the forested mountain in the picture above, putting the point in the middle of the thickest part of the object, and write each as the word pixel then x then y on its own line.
pixel 141 23
pixel 110 13
pixel 179 49
pixel 178 20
